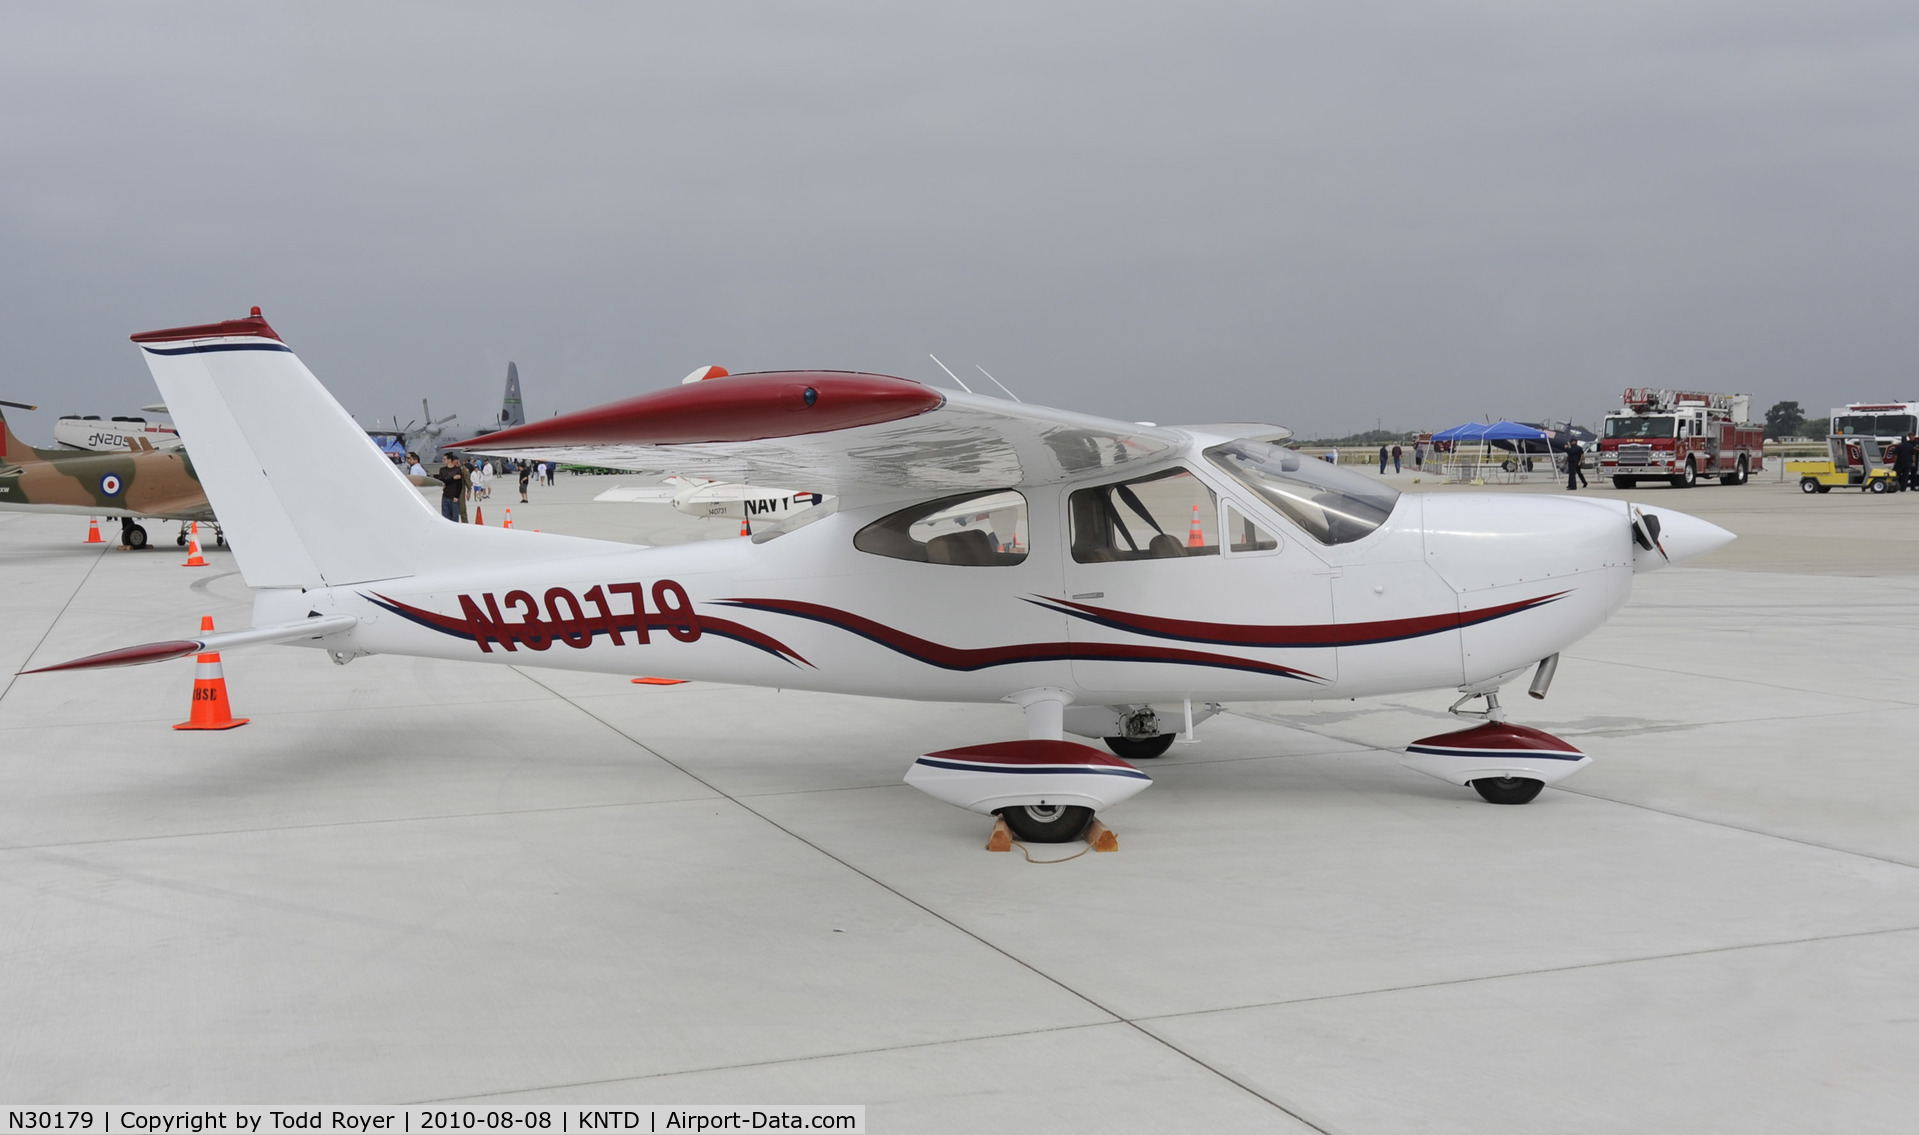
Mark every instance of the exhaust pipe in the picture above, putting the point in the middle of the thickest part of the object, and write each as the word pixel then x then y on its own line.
pixel 1543 677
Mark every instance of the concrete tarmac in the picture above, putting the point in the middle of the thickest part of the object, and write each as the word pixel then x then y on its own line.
pixel 411 880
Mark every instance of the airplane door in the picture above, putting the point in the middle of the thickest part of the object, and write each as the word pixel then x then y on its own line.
pixel 1158 603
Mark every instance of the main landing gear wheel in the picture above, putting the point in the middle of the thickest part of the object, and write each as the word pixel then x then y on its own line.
pixel 1624 482
pixel 1508 789
pixel 1047 823
pixel 180 541
pixel 1140 749
pixel 133 536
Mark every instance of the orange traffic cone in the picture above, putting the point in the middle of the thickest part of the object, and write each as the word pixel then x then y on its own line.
pixel 194 559
pixel 210 692
pixel 479 515
pixel 746 528
pixel 93 531
pixel 1194 537
pixel 509 519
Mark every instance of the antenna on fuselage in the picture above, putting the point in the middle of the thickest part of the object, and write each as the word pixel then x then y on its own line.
pixel 997 382
pixel 949 374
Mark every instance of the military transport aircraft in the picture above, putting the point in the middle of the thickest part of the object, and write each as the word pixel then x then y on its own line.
pixel 138 482
pixel 1134 577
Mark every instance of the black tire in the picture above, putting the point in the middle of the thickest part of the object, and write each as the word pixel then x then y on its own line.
pixel 135 536
pixel 1825 488
pixel 1143 749
pixel 1624 482
pixel 1809 485
pixel 1509 465
pixel 1876 485
pixel 1508 789
pixel 1737 476
pixel 1048 823
pixel 220 538
pixel 1687 479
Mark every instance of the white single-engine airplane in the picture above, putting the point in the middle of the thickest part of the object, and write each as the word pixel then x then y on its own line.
pixel 1102 575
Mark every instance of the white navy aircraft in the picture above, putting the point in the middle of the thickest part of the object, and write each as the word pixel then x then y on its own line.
pixel 1114 580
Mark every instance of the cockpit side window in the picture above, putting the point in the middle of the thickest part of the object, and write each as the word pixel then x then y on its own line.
pixel 969 530
pixel 1169 515
pixel 1330 504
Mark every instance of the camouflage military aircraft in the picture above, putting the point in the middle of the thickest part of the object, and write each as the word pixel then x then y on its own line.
pixel 140 483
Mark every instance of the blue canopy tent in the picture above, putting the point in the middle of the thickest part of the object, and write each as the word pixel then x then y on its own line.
pixel 1501 430
pixel 1489 435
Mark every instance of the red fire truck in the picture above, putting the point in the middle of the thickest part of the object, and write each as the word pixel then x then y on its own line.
pixel 1680 436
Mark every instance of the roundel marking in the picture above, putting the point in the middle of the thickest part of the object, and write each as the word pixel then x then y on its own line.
pixel 110 484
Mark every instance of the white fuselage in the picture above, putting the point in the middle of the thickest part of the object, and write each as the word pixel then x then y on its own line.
pixel 1453 590
pixel 113 435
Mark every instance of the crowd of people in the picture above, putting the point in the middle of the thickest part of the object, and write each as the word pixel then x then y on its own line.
pixel 471 479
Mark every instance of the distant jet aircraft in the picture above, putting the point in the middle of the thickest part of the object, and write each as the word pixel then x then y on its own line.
pixel 696 496
pixel 136 483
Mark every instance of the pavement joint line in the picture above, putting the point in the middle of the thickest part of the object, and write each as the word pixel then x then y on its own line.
pixel 928 911
pixel 216 893
pixel 55 621
pixel 1699 819
pixel 1729 826
pixel 1544 971
pixel 1643 668
pixel 772 1062
pixel 428 818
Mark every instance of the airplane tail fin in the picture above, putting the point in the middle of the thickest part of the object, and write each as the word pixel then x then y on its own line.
pixel 512 410
pixel 314 506
pixel 13 451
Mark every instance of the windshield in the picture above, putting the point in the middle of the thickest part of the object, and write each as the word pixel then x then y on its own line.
pixel 1332 505
pixel 1640 425
pixel 1874 425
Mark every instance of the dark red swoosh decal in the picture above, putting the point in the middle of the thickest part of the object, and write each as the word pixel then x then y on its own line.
pixel 555 631
pixel 980 658
pixel 1298 635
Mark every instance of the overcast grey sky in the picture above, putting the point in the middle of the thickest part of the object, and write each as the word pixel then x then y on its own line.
pixel 1316 214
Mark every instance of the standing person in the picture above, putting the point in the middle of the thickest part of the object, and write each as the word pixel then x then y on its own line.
pixel 1333 456
pixel 1902 462
pixel 1396 452
pixel 526 478
pixel 452 478
pixel 414 468
pixel 1419 455
pixel 1574 475
pixel 1382 461
pixel 550 469
pixel 479 480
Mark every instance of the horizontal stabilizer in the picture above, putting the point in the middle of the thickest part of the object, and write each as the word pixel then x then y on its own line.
pixel 318 627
